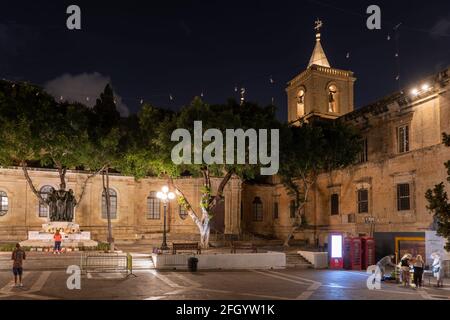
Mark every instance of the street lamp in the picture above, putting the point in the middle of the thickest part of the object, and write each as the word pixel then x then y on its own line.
pixel 164 195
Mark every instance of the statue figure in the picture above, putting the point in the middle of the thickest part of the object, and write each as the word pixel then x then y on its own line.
pixel 70 205
pixel 61 205
pixel 51 202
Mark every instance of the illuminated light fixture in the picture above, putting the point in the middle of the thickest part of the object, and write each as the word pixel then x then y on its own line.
pixel 425 87
pixel 164 195
pixel 415 91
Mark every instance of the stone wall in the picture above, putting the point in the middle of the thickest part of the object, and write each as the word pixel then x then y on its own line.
pixel 131 222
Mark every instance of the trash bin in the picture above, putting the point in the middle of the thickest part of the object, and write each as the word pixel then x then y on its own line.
pixel 192 264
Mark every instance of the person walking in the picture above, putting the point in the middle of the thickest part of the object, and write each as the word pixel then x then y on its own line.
pixel 58 238
pixel 438 270
pixel 383 263
pixel 405 268
pixel 18 256
pixel 418 265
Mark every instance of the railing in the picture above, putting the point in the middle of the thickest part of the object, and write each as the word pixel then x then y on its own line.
pixel 93 262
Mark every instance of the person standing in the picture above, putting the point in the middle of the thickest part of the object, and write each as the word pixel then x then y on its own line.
pixel 438 270
pixel 58 238
pixel 418 266
pixel 18 256
pixel 405 267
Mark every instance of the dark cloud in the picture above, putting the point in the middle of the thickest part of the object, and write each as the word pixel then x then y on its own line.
pixel 441 28
pixel 84 88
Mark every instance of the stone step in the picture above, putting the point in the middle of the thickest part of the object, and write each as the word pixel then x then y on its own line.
pixel 294 260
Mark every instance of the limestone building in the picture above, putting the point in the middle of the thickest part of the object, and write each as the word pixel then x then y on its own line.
pixel 136 211
pixel 384 195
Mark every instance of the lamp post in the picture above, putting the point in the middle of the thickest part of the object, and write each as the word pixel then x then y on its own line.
pixel 164 195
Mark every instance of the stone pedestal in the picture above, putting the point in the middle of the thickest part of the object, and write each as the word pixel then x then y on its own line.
pixel 72 237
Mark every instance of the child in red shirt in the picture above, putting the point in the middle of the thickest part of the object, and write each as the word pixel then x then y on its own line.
pixel 58 238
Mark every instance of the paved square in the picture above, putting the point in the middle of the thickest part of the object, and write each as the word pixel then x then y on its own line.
pixel 150 284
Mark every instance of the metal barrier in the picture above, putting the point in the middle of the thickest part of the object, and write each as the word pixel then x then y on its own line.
pixel 94 262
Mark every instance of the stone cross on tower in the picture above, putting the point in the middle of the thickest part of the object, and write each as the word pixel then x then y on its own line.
pixel 319 25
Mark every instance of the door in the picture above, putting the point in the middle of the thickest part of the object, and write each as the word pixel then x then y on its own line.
pixel 218 220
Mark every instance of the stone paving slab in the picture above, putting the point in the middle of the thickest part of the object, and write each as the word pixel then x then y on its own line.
pixel 225 285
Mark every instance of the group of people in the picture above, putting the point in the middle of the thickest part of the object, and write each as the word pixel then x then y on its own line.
pixel 417 264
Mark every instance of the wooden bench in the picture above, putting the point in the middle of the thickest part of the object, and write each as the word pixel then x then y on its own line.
pixel 186 247
pixel 243 246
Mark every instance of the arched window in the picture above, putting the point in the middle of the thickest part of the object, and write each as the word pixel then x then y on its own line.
pixel 301 103
pixel 183 213
pixel 257 209
pixel 43 207
pixel 153 207
pixel 112 204
pixel 333 99
pixel 4 203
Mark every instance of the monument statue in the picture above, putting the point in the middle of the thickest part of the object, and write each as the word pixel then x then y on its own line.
pixel 61 204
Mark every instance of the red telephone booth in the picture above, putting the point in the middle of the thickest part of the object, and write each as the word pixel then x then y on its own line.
pixel 352 254
pixel 368 252
pixel 356 254
pixel 347 253
pixel 335 248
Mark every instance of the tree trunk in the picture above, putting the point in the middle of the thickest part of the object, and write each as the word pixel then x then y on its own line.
pixel 83 187
pixel 207 205
pixel 205 229
pixel 108 208
pixel 30 182
pixel 295 226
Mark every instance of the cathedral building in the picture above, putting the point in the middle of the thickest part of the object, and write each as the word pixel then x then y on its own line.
pixel 383 196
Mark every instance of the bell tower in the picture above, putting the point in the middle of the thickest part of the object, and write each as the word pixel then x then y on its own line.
pixel 320 90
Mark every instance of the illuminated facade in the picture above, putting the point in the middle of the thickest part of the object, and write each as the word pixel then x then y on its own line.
pixel 384 195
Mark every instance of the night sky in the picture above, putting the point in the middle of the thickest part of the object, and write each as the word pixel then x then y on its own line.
pixel 152 49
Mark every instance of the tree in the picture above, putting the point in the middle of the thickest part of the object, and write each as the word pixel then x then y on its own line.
pixel 439 204
pixel 105 136
pixel 36 129
pixel 221 118
pixel 311 149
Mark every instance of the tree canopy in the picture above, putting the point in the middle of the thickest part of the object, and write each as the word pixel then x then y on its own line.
pixel 439 205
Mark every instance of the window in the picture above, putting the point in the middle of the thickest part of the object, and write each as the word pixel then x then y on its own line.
pixel 257 209
pixel 154 207
pixel 403 139
pixel 292 209
pixel 364 156
pixel 182 212
pixel 334 204
pixel 275 210
pixel 301 103
pixel 363 201
pixel 4 203
pixel 112 204
pixel 43 207
pixel 403 197
pixel 333 99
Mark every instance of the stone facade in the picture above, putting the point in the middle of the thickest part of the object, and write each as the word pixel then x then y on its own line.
pixel 131 223
pixel 404 157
